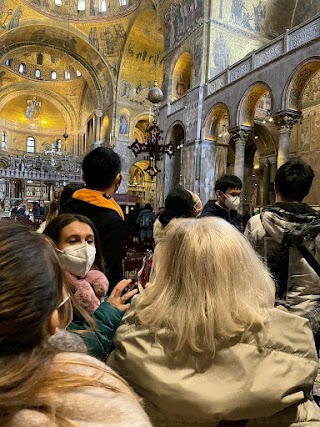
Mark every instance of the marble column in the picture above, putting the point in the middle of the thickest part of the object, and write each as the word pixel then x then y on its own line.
pixel 213 164
pixel 240 140
pixel 97 132
pixel 266 182
pixel 273 170
pixel 285 122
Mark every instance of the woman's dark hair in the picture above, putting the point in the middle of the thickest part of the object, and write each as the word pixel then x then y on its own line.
pixel 54 228
pixel 31 287
pixel 31 290
pixel 178 204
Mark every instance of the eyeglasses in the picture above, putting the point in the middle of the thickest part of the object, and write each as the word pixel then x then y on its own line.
pixel 67 298
pixel 197 202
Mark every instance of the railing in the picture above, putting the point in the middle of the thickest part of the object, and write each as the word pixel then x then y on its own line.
pixel 290 40
pixel 39 176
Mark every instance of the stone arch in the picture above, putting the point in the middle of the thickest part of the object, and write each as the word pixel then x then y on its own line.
pixel 140 124
pixel 68 40
pixel 292 95
pixel 181 76
pixel 174 166
pixel 61 103
pixel 248 103
pixel 216 123
pixel 140 183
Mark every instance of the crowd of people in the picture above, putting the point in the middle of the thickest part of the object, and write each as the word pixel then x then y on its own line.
pixel 223 332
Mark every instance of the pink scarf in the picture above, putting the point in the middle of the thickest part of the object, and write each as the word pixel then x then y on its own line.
pixel 89 291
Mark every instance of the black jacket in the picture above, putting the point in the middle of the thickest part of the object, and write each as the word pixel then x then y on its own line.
pixel 111 229
pixel 211 208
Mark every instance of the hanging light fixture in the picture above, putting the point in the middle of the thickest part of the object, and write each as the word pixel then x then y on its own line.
pixel 153 147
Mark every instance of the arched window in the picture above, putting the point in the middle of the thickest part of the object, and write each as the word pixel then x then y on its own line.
pixel 22 68
pixel 123 2
pixel 38 74
pixel 31 144
pixel 4 140
pixel 78 74
pixel 102 6
pixel 9 62
pixel 39 59
pixel 58 2
pixel 53 75
pixel 81 5
pixel 67 75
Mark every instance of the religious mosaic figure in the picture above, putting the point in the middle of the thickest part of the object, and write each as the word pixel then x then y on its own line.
pixel 123 129
pixel 259 14
pixel 15 19
pixel 221 53
pixel 33 108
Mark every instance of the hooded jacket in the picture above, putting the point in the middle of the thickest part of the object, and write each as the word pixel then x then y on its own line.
pixel 88 406
pixel 211 208
pixel 108 217
pixel 265 378
pixel 291 224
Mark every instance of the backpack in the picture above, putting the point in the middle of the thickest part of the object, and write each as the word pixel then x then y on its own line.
pixel 145 220
pixel 279 262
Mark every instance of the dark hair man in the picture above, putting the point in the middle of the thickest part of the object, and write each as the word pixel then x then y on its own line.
pixel 287 236
pixel 101 172
pixel 227 189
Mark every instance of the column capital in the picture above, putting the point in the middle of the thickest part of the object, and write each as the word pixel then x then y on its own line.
pixel 98 113
pixel 285 120
pixel 240 135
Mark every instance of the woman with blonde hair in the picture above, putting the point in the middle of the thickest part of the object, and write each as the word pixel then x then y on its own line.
pixel 40 385
pixel 203 344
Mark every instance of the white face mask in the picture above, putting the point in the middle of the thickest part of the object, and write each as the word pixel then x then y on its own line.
pixel 232 202
pixel 78 259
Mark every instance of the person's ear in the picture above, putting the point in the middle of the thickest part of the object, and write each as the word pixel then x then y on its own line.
pixel 54 323
pixel 276 189
pixel 118 180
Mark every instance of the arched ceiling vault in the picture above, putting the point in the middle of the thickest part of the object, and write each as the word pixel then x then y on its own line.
pixel 69 41
pixel 22 91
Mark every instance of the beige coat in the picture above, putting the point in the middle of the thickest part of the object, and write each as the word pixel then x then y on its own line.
pixel 90 406
pixel 269 384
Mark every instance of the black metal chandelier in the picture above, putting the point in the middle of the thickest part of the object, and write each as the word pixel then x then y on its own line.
pixel 153 146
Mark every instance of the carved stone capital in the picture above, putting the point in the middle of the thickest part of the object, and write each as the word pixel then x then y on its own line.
pixel 286 120
pixel 240 136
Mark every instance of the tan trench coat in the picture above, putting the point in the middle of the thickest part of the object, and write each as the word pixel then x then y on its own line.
pixel 266 379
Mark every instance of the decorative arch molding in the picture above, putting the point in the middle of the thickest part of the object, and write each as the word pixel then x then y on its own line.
pixel 293 91
pixel 135 131
pixel 70 41
pixel 178 53
pixel 61 103
pixel 4 161
pixel 249 101
pixel 267 141
pixel 170 130
pixel 181 77
pixel 216 118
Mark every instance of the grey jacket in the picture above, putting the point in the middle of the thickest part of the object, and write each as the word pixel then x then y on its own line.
pixel 268 233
